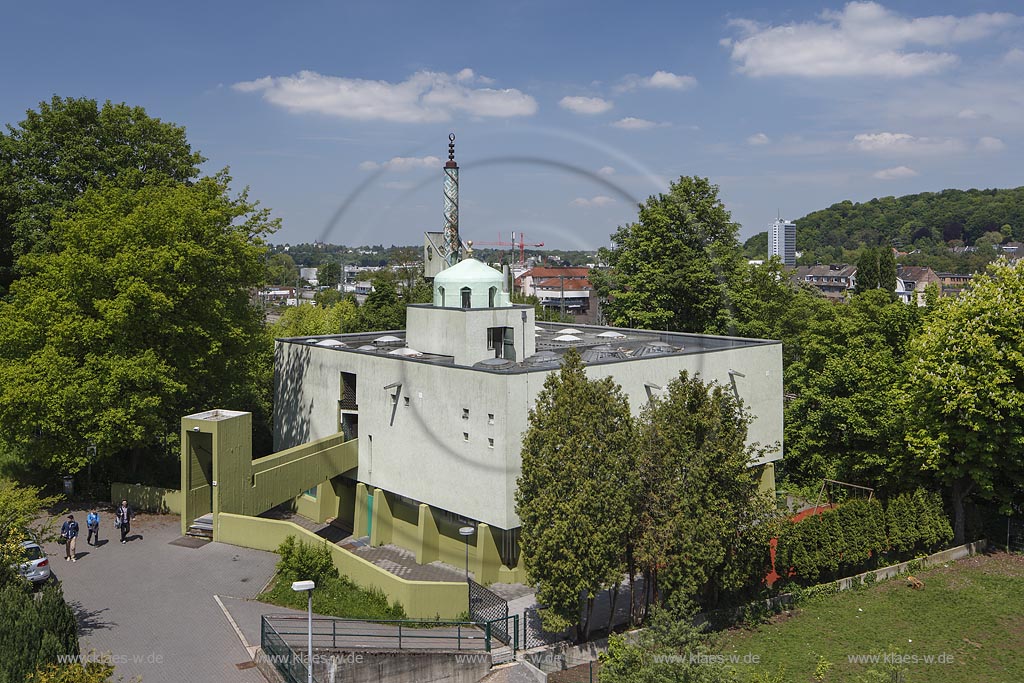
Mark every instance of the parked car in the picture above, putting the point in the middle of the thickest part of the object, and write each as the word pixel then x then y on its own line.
pixel 36 566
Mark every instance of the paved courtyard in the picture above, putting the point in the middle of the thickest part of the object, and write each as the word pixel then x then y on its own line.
pixel 151 605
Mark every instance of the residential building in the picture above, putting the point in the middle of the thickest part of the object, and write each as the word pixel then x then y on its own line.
pixel 953 283
pixel 916 279
pixel 835 281
pixel 565 290
pixel 782 241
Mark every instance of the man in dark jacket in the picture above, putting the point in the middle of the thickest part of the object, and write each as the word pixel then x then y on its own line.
pixel 123 519
pixel 69 532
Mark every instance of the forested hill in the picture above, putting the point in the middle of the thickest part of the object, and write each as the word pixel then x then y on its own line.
pixel 911 221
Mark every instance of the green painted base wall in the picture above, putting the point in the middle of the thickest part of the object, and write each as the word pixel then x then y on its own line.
pixel 147 498
pixel 420 599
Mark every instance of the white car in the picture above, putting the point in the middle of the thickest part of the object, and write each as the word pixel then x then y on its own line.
pixel 36 566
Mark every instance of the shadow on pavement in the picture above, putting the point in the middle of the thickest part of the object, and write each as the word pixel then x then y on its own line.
pixel 89 620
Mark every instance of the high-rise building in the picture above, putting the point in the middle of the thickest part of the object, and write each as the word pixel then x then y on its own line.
pixel 782 241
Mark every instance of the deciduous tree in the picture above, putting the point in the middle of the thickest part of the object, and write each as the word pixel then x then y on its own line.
pixel 139 315
pixel 672 268
pixel 69 146
pixel 966 391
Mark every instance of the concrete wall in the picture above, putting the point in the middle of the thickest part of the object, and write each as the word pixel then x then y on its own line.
pixel 402 666
pixel 418 441
pixel 420 599
pixel 462 333
pixel 147 498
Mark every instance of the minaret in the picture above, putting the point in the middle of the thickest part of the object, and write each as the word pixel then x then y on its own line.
pixel 452 244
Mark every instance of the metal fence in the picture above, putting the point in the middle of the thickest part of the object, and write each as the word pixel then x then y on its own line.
pixel 486 606
pixel 1014 535
pixel 285 639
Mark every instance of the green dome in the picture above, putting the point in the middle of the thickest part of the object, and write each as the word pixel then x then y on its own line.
pixel 484 285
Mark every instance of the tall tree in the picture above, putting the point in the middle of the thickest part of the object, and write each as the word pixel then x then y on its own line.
pixel 572 496
pixel 844 379
pixel 139 315
pixel 867 271
pixel 694 492
pixel 672 268
pixel 965 392
pixel 68 146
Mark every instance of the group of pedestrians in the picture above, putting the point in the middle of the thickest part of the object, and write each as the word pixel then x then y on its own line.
pixel 123 517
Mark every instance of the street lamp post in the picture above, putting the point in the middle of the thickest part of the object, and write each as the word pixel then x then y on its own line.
pixel 466 531
pixel 307 586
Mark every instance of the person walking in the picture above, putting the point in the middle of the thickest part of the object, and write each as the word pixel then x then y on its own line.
pixel 69 532
pixel 123 519
pixel 92 522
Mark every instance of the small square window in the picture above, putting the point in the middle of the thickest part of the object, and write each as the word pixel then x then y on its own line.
pixel 406 398
pixel 490 443
pixel 465 413
pixel 465 436
pixel 490 418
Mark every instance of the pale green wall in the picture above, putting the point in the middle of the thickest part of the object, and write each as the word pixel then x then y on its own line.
pixel 433 537
pixel 250 487
pixel 420 599
pixel 148 498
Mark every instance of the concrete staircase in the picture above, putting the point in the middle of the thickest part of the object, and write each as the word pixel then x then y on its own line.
pixel 202 527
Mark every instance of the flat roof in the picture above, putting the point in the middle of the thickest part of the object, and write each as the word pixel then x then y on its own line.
pixel 596 344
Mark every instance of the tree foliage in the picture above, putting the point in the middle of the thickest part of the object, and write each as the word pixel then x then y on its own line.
pixel 69 146
pixel 695 491
pixel 966 392
pixel 19 514
pixel 845 378
pixel 572 496
pixel 36 629
pixel 139 314
pixel 672 268
pixel 911 221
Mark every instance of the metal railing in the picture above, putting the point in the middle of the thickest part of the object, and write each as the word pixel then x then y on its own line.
pixel 284 638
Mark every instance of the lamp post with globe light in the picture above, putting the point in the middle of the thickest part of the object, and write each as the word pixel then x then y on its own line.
pixel 307 586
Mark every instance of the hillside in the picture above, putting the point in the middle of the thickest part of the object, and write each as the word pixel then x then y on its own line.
pixel 918 221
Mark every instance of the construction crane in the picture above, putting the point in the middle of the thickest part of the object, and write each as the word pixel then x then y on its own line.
pixel 521 244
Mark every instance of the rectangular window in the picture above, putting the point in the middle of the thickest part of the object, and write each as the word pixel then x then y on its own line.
pixel 490 443
pixel 465 436
pixel 501 340
pixel 406 399
pixel 490 418
pixel 465 413
pixel 347 399
pixel 311 493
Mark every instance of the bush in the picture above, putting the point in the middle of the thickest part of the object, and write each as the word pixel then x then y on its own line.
pixel 36 630
pixel 305 561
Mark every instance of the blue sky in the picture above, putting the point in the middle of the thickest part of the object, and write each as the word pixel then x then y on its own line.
pixel 336 115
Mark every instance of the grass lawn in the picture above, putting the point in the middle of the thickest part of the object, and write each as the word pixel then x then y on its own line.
pixel 335 597
pixel 972 609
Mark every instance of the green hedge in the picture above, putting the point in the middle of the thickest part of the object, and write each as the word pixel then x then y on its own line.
pixel 34 630
pixel 853 537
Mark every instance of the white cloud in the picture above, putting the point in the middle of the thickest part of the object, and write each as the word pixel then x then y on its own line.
pixel 863 39
pixel 967 114
pixel 904 143
pixel 669 80
pixel 424 97
pixel 599 200
pixel 1014 56
pixel 989 144
pixel 606 170
pixel 758 139
pixel 585 105
pixel 402 164
pixel 665 80
pixel 896 173
pixel 633 123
